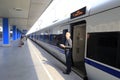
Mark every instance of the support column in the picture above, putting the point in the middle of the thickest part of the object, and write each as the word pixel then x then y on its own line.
pixel 20 35
pixel 6 41
pixel 17 33
pixel 14 33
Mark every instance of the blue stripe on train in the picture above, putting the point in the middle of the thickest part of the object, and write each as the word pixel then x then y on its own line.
pixel 104 68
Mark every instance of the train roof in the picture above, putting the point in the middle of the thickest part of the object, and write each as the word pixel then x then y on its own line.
pixel 90 10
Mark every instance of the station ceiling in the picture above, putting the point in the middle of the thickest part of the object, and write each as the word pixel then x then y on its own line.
pixel 23 13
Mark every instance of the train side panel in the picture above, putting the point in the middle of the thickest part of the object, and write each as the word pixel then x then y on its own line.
pixel 107 22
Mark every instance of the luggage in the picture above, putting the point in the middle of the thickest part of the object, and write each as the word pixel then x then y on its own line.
pixel 22 43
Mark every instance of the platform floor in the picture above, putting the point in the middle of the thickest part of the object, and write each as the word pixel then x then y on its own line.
pixel 30 62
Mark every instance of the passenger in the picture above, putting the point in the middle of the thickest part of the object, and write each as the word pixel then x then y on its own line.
pixel 21 41
pixel 26 37
pixel 67 47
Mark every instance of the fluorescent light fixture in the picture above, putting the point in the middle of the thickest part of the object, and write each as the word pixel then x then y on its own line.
pixel 17 9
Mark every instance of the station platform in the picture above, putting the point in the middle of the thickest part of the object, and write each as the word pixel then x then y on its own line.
pixel 31 62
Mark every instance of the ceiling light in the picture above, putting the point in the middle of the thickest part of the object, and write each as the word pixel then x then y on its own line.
pixel 18 9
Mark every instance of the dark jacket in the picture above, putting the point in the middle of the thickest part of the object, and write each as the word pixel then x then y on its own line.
pixel 68 44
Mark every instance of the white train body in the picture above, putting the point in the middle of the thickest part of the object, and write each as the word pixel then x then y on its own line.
pixel 100 20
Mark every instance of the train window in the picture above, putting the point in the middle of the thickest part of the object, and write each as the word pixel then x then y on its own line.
pixel 104 47
pixel 63 37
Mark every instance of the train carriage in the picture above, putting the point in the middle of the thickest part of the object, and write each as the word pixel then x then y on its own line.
pixel 96 40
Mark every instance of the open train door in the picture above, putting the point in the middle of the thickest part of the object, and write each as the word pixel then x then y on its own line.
pixel 78 50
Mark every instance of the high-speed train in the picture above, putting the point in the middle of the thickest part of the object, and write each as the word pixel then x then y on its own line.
pixel 95 33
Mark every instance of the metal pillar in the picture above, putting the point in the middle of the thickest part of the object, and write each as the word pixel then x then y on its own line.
pixel 6 40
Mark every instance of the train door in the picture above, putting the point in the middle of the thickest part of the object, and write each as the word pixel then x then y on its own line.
pixel 78 50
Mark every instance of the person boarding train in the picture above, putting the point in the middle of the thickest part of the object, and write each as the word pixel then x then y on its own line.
pixel 67 47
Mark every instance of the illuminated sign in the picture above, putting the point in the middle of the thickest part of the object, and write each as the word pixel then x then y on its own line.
pixel 78 13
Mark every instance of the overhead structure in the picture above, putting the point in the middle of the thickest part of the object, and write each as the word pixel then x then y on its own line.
pixel 23 13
